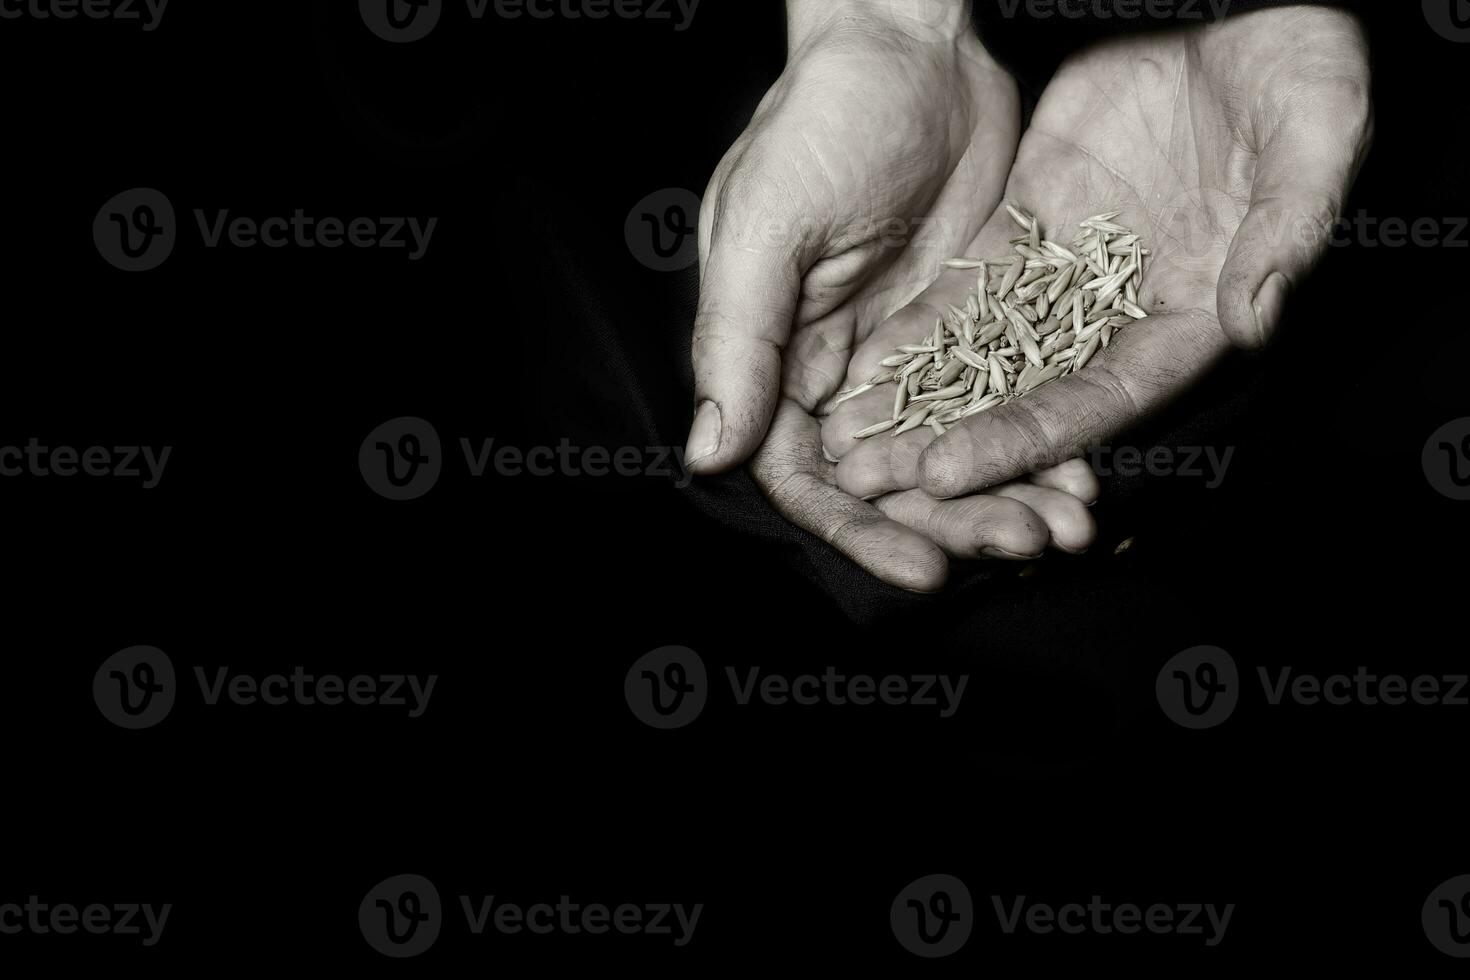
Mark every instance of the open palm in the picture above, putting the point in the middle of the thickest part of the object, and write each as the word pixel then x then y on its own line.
pixel 1228 149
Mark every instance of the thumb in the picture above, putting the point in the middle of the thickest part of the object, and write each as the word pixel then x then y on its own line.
pixel 747 300
pixel 1303 173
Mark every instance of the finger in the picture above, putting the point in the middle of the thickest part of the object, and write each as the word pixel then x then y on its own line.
pixel 789 469
pixel 1306 166
pixel 1148 363
pixel 853 415
pixel 747 298
pixel 982 526
pixel 1068 522
pixel 883 463
pixel 1073 477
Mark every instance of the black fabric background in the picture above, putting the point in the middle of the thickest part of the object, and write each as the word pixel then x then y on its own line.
pixel 531 322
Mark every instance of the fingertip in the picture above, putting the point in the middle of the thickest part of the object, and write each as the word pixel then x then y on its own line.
pixel 1074 477
pixel 925 570
pixel 939 472
pixel 1268 307
pixel 1017 533
pixel 879 465
pixel 1241 328
pixel 899 555
pixel 1233 303
pixel 720 440
pixel 1076 533
pixel 1251 323
pixel 705 436
pixel 852 416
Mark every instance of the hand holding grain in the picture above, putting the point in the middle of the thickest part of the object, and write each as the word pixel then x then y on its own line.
pixel 1229 150
pixel 879 152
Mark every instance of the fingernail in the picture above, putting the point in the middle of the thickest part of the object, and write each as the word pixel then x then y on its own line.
pixel 1270 301
pixel 704 434
pixel 1007 555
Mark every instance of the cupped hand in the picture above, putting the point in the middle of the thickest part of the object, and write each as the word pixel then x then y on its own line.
pixel 882 147
pixel 1229 149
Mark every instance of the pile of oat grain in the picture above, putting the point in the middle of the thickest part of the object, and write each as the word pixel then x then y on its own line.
pixel 1034 316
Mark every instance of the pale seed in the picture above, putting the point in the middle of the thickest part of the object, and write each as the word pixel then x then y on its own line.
pixel 873 430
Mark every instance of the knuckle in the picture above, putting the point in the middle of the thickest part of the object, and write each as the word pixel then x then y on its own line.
pixel 1017 441
pixel 1318 210
pixel 1121 399
pixel 1133 386
pixel 754 207
pixel 1348 100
